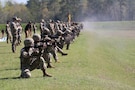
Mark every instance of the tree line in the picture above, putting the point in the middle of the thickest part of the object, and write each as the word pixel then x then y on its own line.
pixel 80 10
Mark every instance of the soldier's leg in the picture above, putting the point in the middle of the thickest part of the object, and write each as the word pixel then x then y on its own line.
pixel 61 51
pixel 47 58
pixel 19 39
pixel 43 67
pixel 39 62
pixel 7 37
pixel 10 37
pixel 25 73
pixel 26 33
pixel 14 44
pixel 30 32
pixel 54 54
pixel 34 30
pixel 67 47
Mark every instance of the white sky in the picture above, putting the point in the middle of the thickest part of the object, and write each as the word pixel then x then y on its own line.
pixel 21 1
pixel 18 1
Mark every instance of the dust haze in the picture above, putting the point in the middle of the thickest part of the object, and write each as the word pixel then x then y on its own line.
pixel 122 29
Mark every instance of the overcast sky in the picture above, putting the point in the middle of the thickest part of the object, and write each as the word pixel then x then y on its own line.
pixel 18 1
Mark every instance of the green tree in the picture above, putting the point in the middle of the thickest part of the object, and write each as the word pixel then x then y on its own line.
pixel 54 9
pixel 34 7
pixel 13 9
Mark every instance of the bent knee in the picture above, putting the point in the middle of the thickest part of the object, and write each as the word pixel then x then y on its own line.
pixel 26 74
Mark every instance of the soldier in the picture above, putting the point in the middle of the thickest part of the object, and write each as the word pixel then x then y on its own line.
pixel 60 40
pixel 46 55
pixel 2 33
pixel 53 49
pixel 14 30
pixel 8 32
pixel 67 38
pixel 30 59
pixel 42 26
pixel 34 27
pixel 19 32
pixel 51 26
pixel 28 29
pixel 44 31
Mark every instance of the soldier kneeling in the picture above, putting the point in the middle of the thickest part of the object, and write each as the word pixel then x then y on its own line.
pixel 30 59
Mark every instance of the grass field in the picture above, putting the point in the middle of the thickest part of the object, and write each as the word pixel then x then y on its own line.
pixel 100 59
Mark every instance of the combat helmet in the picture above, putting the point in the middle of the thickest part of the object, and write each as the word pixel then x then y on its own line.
pixel 15 18
pixel 42 20
pixel 36 37
pixel 28 42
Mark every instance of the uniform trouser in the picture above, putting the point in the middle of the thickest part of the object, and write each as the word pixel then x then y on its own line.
pixel 9 38
pixel 14 43
pixel 46 56
pixel 53 51
pixel 26 33
pixel 38 63
pixel 59 50
pixel 67 47
pixel 19 38
pixel 30 32
pixel 25 71
pixel 34 31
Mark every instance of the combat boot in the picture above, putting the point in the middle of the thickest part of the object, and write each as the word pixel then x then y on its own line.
pixel 47 75
pixel 50 66
pixel 64 54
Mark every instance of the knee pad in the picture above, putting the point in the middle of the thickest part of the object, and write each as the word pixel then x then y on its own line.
pixel 26 73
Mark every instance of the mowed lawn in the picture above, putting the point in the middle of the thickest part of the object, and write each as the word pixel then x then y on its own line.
pixel 97 60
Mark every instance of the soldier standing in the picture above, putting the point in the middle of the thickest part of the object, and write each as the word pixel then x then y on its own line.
pixel 2 32
pixel 14 30
pixel 34 27
pixel 19 32
pixel 28 29
pixel 51 26
pixel 30 59
pixel 8 32
pixel 42 26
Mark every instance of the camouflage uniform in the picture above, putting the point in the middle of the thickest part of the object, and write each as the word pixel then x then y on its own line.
pixel 51 27
pixel 8 32
pixel 28 30
pixel 19 32
pixel 34 27
pixel 31 59
pixel 46 55
pixel 53 49
pixel 68 38
pixel 42 26
pixel 14 30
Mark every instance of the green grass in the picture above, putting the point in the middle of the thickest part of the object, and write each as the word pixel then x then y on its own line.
pixel 94 62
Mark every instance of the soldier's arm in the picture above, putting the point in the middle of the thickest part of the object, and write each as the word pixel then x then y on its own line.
pixel 15 26
pixel 25 54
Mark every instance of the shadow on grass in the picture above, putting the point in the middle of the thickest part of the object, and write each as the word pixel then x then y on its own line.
pixel 10 69
pixel 9 78
pixel 18 78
